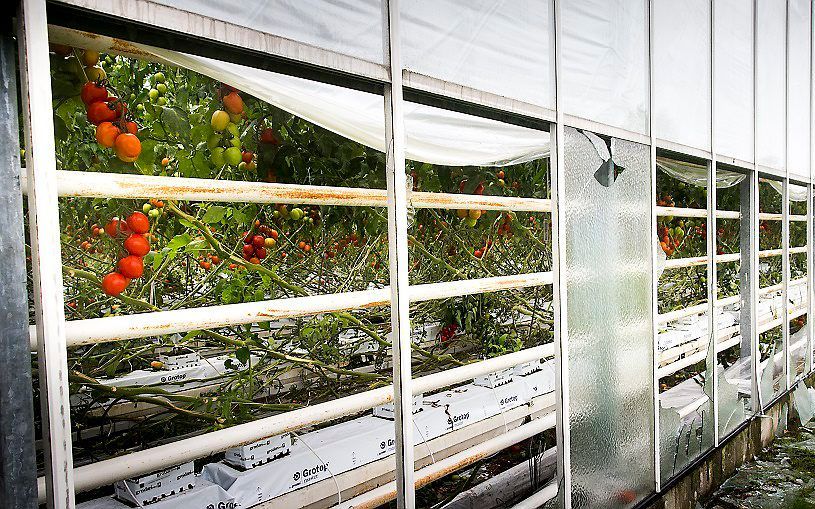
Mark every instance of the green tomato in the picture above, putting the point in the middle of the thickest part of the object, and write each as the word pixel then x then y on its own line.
pixel 214 140
pixel 235 142
pixel 162 101
pixel 217 157
pixel 276 213
pixel 152 94
pixel 132 96
pixel 242 166
pixel 159 77
pixel 140 107
pixel 162 88
pixel 233 129
pixel 296 213
pixel 154 213
pixel 232 156
pixel 471 222
pixel 146 207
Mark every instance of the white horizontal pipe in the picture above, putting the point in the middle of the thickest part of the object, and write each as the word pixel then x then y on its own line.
pixel 97 474
pixel 387 492
pixel 722 214
pixel 692 310
pixel 539 498
pixel 142 325
pixel 692 261
pixel 126 186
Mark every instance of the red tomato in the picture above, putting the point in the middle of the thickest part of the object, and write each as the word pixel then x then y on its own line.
pixel 260 253
pixel 114 283
pixel 137 245
pixel 116 227
pixel 131 267
pixel 93 92
pixel 258 241
pixel 101 111
pixel 248 250
pixel 138 223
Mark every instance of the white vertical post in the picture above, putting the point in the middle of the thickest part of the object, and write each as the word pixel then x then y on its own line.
pixel 785 203
pixel 43 214
pixel 398 261
pixel 808 366
pixel 712 243
pixel 558 286
pixel 654 253
pixel 752 252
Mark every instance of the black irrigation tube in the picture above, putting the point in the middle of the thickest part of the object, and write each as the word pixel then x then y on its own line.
pixel 674 480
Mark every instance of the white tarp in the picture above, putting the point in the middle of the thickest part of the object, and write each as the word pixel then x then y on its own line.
pixel 433 135
pixel 605 66
pixel 504 47
pixel 733 122
pixel 770 84
pixel 682 72
pixel 798 87
pixel 350 27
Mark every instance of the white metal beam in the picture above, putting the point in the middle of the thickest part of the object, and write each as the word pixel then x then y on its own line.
pixel 43 213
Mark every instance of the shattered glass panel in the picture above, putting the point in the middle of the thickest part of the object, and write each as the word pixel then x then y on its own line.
pixel 608 282
pixel 733 363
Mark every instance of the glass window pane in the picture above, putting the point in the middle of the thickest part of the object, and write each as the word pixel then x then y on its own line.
pixel 350 27
pixel 733 367
pixel 503 48
pixel 684 368
pixel 734 121
pixel 682 72
pixel 606 271
pixel 605 70
pixel 770 84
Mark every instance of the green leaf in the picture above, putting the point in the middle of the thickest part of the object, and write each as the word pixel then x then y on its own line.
pixel 178 242
pixel 175 121
pixel 214 214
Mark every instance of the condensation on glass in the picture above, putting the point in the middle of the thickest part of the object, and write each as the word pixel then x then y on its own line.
pixel 607 276
pixel 473 42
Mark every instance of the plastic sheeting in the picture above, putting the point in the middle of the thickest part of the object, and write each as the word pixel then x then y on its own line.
pixel 770 84
pixel 605 68
pixel 733 123
pixel 796 193
pixel 504 47
pixel 682 72
pixel 798 88
pixel 350 27
pixel 433 135
pixel 696 174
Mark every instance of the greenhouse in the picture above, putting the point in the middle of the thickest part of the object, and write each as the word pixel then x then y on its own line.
pixel 401 253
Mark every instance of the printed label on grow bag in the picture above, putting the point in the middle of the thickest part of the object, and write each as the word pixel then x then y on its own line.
pixel 153 487
pixel 260 452
pixel 205 495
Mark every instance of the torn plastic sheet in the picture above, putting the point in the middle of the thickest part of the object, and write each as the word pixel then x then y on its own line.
pixel 796 193
pixel 696 174
pixel 433 135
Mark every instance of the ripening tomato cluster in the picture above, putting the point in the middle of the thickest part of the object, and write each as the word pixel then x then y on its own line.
pixel 447 332
pixel 256 244
pixel 470 217
pixel 109 114
pixel 480 252
pixel 137 246
pixel 670 238
pixel 209 261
